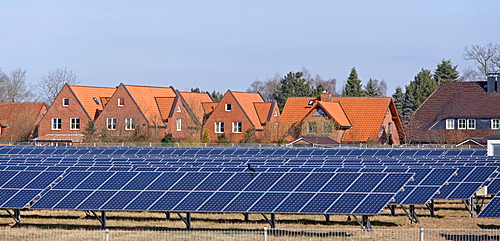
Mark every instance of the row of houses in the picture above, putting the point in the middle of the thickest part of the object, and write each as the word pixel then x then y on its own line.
pixel 454 113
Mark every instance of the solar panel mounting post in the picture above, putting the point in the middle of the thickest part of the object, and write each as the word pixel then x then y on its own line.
pixel 186 220
pixel 245 215
pixel 393 209
pixel 430 206
pixel 102 218
pixel 15 214
pixel 272 221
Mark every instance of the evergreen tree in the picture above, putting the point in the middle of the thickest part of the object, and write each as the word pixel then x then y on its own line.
pixel 446 71
pixel 399 99
pixel 416 93
pixel 353 87
pixel 371 88
pixel 292 85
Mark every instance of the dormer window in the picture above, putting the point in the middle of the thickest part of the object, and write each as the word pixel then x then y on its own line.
pixel 65 101
pixel 450 124
pixel 228 107
pixel 310 103
pixel 121 101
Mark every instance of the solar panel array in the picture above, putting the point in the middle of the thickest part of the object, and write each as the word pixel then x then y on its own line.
pixel 218 179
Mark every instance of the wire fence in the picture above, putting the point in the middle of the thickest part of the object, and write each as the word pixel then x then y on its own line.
pixel 262 234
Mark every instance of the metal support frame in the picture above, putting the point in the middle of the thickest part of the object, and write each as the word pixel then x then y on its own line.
pixel 186 220
pixel 246 217
pixel 364 222
pixel 327 217
pixel 15 214
pixel 412 215
pixel 101 219
pixel 167 215
pixel 393 209
pixel 430 206
pixel 478 204
pixel 470 205
pixel 272 221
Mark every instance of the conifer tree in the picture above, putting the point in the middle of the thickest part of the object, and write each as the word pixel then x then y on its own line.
pixel 292 85
pixel 371 88
pixel 398 98
pixel 353 87
pixel 446 71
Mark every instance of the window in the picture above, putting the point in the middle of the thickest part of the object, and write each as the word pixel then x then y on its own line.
pixel 461 124
pixel 228 107
pixel 236 127
pixel 311 102
pixel 389 128
pixel 275 113
pixel 219 127
pixel 74 124
pixel 96 101
pixel 178 124
pixel 275 125
pixel 471 123
pixel 129 124
pixel 495 123
pixel 65 101
pixel 56 123
pixel 178 109
pixel 450 124
pixel 111 123
pixel 311 128
pixel 327 128
pixel 121 101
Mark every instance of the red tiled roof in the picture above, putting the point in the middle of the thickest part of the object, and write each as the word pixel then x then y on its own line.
pixel 246 101
pixel 10 111
pixel 195 100
pixel 366 114
pixel 263 109
pixel 335 111
pixel 296 108
pixel 209 107
pixel 86 95
pixel 165 106
pixel 145 96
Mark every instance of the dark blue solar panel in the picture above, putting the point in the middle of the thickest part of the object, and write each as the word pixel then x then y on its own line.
pixel 5 176
pixel 72 200
pixel 243 202
pixel 289 181
pixel 120 200
pixel 480 174
pixel 168 201
pixel 438 176
pixel 118 180
pixel 268 202
pixel 392 183
pixel 71 180
pixel 314 182
pixel 347 203
pixel 492 210
pixel 20 180
pixel 294 202
pixel 263 181
pixel 373 204
pixel 366 182
pixel 96 200
pixel 494 186
pixel 190 181
pixel 144 200
pixel 142 180
pixel 218 201
pixel 6 194
pixel 49 201
pixel 445 191
pixel 464 190
pixel 238 182
pixel 193 201
pixel 21 198
pixel 94 180
pixel 419 195
pixel 165 181
pixel 320 203
pixel 340 182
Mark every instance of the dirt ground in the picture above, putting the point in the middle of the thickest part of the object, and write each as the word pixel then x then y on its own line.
pixel 448 215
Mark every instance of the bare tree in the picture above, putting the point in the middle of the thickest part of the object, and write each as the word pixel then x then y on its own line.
pixel 51 84
pixel 469 74
pixel 486 57
pixel 382 88
pixel 328 84
pixel 266 88
pixel 14 87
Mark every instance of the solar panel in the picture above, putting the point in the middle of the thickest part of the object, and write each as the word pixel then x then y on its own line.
pixel 492 209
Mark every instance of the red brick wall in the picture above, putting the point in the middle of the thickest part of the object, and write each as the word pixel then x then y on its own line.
pixel 221 115
pixel 187 128
pixel 57 110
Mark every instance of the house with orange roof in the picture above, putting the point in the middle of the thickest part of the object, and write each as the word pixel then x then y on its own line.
pixel 140 111
pixel 18 121
pixel 344 119
pixel 71 111
pixel 240 112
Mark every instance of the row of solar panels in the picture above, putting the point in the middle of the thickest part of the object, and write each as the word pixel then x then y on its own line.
pixel 271 192
pixel 243 151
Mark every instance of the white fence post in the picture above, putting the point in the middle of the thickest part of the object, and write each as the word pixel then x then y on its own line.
pixel 265 233
pixel 421 234
pixel 107 234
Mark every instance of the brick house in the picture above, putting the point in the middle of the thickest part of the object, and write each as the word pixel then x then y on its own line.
pixel 184 114
pixel 343 119
pixel 71 111
pixel 238 112
pixel 456 112
pixel 19 121
pixel 136 110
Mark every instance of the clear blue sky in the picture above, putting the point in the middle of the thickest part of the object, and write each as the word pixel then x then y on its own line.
pixel 220 45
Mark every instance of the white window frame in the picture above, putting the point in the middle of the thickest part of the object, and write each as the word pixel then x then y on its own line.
pixel 123 102
pixel 219 127
pixel 111 123
pixel 310 126
pixel 178 109
pixel 471 124
pixel 461 124
pixel 65 102
pixel 178 124
pixel 129 124
pixel 450 124
pixel 228 107
pixel 237 127
pixel 56 123
pixel 495 123
pixel 74 124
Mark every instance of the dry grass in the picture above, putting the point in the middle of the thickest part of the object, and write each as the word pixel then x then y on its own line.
pixel 448 215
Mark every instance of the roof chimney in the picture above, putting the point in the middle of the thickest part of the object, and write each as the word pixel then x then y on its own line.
pixel 325 96
pixel 493 85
